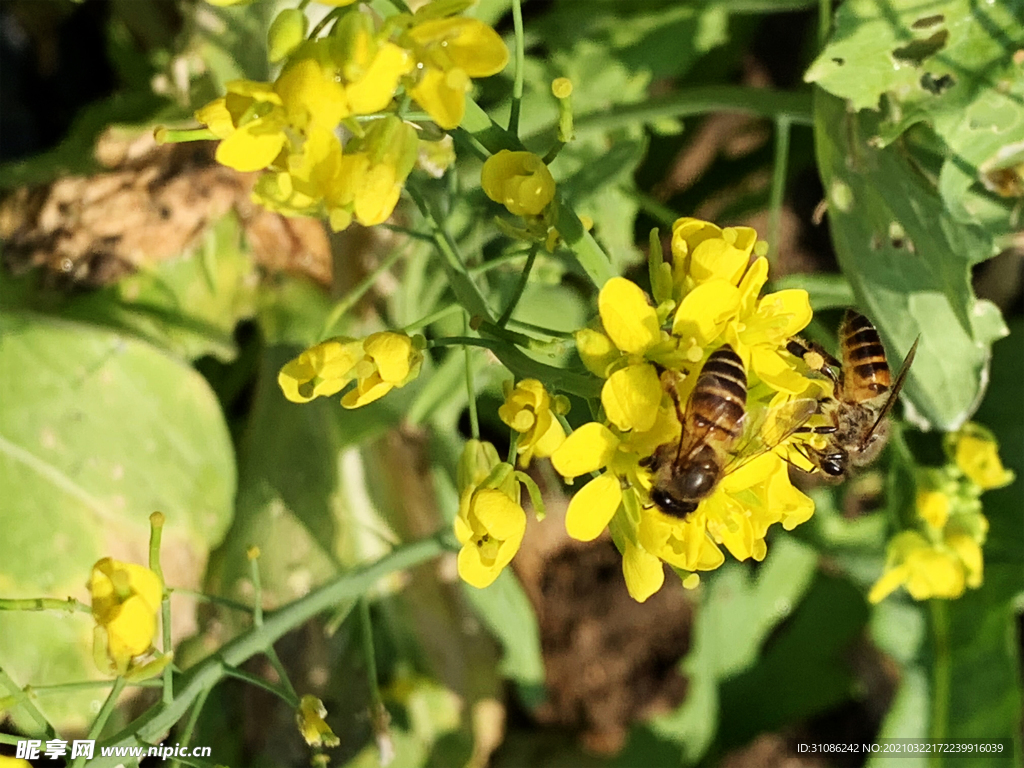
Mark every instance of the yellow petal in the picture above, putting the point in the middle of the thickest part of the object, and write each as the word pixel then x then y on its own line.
pixel 888 583
pixel 501 517
pixel 631 397
pixel 473 570
pixel 132 631
pixel 375 89
pixel 630 322
pixel 933 508
pixel 442 96
pixel 790 308
pixel 391 352
pixel 716 258
pixel 753 472
pixel 704 312
pixel 550 440
pixel 367 391
pixel 934 574
pixel 977 454
pixel 468 43
pixel 216 117
pixel 776 371
pixel 588 449
pixel 252 147
pixel 596 351
pixel 969 552
pixel 592 507
pixel 644 573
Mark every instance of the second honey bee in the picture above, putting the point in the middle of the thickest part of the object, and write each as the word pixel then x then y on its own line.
pixel 716 435
pixel 864 394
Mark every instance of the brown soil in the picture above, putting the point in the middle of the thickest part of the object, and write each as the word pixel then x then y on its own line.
pixel 609 660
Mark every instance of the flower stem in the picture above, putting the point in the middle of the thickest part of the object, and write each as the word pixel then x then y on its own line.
pixel 28 705
pixel 517 85
pixel 700 100
pixel 433 317
pixel 474 419
pixel 334 13
pixel 779 173
pixel 351 298
pixel 71 605
pixel 152 724
pixel 156 531
pixel 165 135
pixel 942 668
pixel 366 629
pixel 101 718
pixel 524 278
pixel 193 717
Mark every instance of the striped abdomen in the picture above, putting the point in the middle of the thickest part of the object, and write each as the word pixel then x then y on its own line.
pixel 719 398
pixel 865 371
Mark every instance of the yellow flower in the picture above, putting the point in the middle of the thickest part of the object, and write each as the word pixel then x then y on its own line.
pixel 531 411
pixel 125 602
pixel 450 51
pixel 933 508
pixel 379 363
pixel 490 526
pixel 14 762
pixel 310 719
pixel 976 453
pixel 392 360
pixel 251 121
pixel 324 369
pixel 518 180
pixel 311 96
pixel 925 570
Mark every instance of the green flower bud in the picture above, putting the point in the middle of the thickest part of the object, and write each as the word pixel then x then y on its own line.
pixel 286 33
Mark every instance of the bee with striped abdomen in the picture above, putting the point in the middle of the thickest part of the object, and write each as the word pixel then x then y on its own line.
pixel 716 436
pixel 864 393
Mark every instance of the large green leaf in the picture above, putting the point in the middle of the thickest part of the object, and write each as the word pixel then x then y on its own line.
pixel 908 261
pixel 96 432
pixel 948 63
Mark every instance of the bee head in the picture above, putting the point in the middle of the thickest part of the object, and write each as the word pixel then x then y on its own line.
pixel 834 463
pixel 670 505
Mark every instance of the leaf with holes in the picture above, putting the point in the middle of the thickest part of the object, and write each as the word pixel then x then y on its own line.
pixel 96 432
pixel 954 65
pixel 908 260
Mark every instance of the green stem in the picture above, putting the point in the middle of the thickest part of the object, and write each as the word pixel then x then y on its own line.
pixel 779 174
pixel 227 602
pixel 151 725
pixel 286 681
pixel 524 278
pixel 433 317
pixel 88 685
pixel 369 656
pixel 465 289
pixel 824 21
pixel 331 16
pixel 474 420
pixel 499 261
pixel 517 84
pixel 513 447
pixel 101 718
pixel 700 100
pixel 942 668
pixel 193 717
pixel 164 135
pixel 351 298
pixel 71 605
pixel 156 532
pixel 550 333
pixel 523 367
pixel 257 587
pixel 28 705
pixel 258 682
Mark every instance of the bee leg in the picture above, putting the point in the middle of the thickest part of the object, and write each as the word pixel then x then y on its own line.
pixel 802 348
pixel 822 430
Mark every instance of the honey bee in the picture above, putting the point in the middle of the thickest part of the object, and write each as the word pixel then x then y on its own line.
pixel 716 436
pixel 864 395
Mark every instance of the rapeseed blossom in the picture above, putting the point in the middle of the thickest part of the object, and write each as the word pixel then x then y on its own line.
pixel 709 295
pixel 310 720
pixel 125 603
pixel 379 363
pixel 491 522
pixel 532 412
pixel 289 130
pixel 942 555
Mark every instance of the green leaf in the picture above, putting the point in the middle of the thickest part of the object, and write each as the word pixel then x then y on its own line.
pixel 948 63
pixel 908 261
pixel 737 613
pixel 97 431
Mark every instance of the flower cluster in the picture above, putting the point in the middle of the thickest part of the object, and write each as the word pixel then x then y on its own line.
pixel 288 129
pixel 707 296
pixel 491 522
pixel 532 412
pixel 377 364
pixel 942 555
pixel 125 603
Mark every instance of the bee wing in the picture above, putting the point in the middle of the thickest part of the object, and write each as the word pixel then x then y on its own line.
pixel 896 387
pixel 698 427
pixel 771 428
